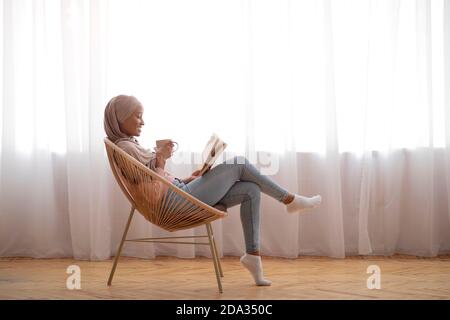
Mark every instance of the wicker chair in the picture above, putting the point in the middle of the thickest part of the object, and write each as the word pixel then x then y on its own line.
pixel 153 196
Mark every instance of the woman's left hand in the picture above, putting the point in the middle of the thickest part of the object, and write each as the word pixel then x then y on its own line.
pixel 194 175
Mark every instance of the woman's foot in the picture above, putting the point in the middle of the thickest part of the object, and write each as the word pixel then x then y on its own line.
pixel 254 265
pixel 301 203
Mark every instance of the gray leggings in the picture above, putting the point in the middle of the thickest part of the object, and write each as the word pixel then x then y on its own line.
pixel 237 182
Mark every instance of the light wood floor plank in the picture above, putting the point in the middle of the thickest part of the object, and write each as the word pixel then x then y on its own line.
pixel 402 277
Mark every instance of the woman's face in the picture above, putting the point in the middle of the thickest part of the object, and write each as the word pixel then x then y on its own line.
pixel 132 125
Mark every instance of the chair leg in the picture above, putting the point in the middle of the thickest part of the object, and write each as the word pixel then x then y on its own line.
pixel 215 249
pixel 119 250
pixel 213 252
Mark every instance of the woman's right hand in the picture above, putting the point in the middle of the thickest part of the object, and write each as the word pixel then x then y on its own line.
pixel 160 160
pixel 166 151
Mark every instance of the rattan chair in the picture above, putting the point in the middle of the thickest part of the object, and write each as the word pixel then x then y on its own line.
pixel 153 196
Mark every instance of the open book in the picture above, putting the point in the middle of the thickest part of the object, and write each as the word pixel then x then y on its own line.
pixel 212 151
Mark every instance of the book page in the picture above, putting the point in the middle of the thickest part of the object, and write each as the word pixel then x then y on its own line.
pixel 212 151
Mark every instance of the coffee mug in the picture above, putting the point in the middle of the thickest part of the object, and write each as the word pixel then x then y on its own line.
pixel 163 142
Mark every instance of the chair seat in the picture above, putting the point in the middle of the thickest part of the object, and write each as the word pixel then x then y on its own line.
pixel 158 200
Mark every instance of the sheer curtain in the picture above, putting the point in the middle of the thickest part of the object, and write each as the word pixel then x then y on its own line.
pixel 349 99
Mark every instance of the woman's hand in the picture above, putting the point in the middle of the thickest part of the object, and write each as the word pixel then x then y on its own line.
pixel 194 175
pixel 166 150
pixel 160 161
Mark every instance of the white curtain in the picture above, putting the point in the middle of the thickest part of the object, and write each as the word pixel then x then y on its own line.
pixel 349 99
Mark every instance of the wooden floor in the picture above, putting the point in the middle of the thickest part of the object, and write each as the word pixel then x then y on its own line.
pixel 402 277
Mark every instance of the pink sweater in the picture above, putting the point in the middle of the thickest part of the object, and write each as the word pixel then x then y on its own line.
pixel 165 174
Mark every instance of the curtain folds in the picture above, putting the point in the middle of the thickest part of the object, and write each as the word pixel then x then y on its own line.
pixel 349 99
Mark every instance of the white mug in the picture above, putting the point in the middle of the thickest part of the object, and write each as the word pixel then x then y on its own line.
pixel 162 143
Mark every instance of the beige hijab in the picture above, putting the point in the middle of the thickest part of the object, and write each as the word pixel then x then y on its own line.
pixel 117 111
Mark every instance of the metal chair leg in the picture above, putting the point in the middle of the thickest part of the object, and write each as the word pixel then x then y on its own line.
pixel 119 250
pixel 216 251
pixel 213 252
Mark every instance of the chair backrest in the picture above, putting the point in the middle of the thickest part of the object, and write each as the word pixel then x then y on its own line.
pixel 158 200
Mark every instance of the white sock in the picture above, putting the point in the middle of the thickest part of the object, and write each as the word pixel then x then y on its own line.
pixel 301 203
pixel 254 265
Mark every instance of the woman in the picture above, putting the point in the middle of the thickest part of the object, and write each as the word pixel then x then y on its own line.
pixel 227 184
